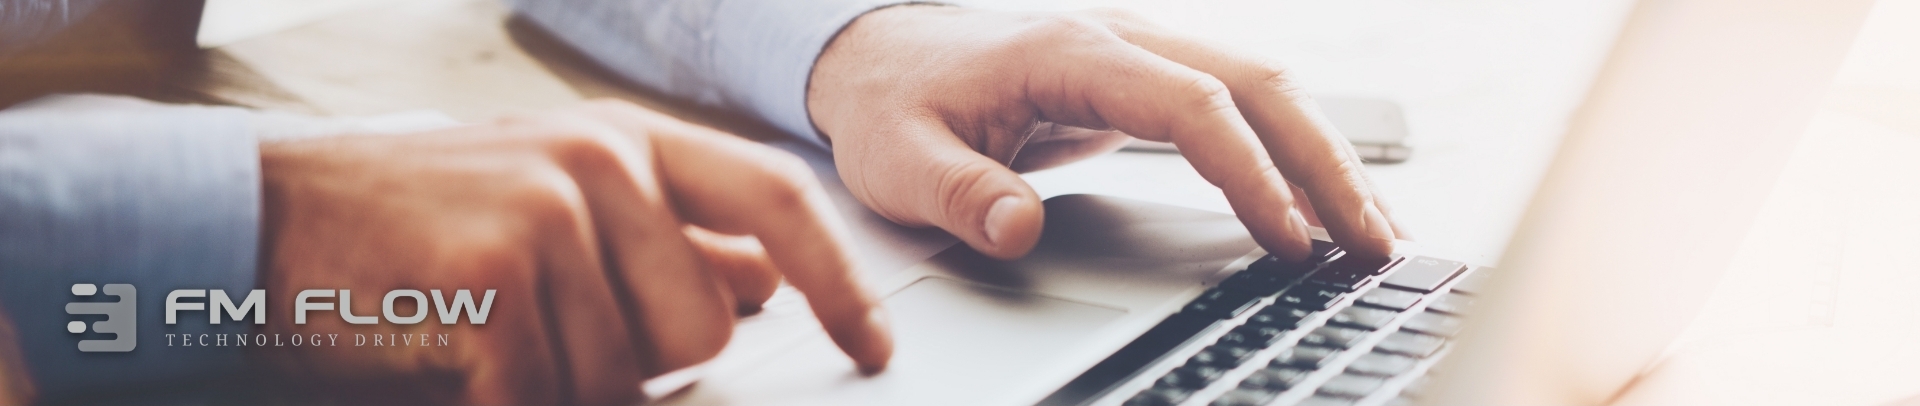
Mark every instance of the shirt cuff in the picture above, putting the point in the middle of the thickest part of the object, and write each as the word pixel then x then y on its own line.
pixel 111 190
pixel 764 50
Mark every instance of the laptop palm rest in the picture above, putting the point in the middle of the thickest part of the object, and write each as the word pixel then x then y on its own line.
pixel 971 330
pixel 954 341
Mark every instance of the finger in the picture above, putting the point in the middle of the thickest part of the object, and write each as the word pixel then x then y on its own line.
pixel 929 177
pixel 1305 206
pixel 669 294
pixel 513 380
pixel 1304 144
pixel 734 186
pixel 602 360
pixel 741 262
pixel 1153 98
pixel 507 366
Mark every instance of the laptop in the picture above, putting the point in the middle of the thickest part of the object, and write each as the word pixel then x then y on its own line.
pixel 1132 303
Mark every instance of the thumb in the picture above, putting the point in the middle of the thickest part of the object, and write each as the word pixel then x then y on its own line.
pixel 928 177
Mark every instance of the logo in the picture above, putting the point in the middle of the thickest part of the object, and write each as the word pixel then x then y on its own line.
pixel 122 324
pixel 120 317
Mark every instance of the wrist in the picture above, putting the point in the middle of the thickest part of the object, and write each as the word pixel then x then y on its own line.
pixel 279 165
pixel 844 72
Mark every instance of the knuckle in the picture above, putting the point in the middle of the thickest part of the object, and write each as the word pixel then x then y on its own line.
pixel 1115 15
pixel 496 260
pixel 1344 172
pixel 789 180
pixel 593 148
pixel 553 201
pixel 1207 93
pixel 1276 77
pixel 1260 178
pixel 958 181
pixel 1071 28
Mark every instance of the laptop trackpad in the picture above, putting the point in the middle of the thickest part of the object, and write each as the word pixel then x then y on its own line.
pixel 957 342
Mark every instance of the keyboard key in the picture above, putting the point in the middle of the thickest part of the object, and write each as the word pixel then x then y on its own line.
pixel 1275 378
pixel 1304 357
pixel 1405 343
pixel 1344 281
pixel 1256 283
pixel 1244 397
pixel 1221 303
pixel 1264 335
pixel 1221 356
pixel 1310 297
pixel 1190 377
pixel 1424 274
pixel 1351 386
pixel 1378 364
pixel 1474 282
pixel 1369 266
pixel 1433 324
pixel 1170 334
pixel 1243 338
pixel 1336 337
pixel 1363 318
pixel 1284 313
pixel 1286 270
pixel 1159 396
pixel 1451 303
pixel 1323 250
pixel 1324 401
pixel 1283 318
pixel 1397 300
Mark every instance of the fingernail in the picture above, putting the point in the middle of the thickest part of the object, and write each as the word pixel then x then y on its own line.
pixel 1299 228
pixel 880 348
pixel 1000 218
pixel 1300 223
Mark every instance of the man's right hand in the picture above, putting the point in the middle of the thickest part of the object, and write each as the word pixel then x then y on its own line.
pixel 614 236
pixel 932 109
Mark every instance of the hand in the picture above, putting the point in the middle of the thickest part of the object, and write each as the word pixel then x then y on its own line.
pixel 608 230
pixel 930 109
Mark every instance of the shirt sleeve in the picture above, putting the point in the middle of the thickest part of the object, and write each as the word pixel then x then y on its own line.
pixel 747 55
pixel 94 191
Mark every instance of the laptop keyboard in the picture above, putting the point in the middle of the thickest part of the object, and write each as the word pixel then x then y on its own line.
pixel 1337 329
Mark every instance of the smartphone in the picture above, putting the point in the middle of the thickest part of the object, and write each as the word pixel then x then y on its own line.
pixel 1376 127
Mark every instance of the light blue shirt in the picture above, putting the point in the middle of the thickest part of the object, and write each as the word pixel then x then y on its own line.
pixel 169 197
pixel 96 191
pixel 746 55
